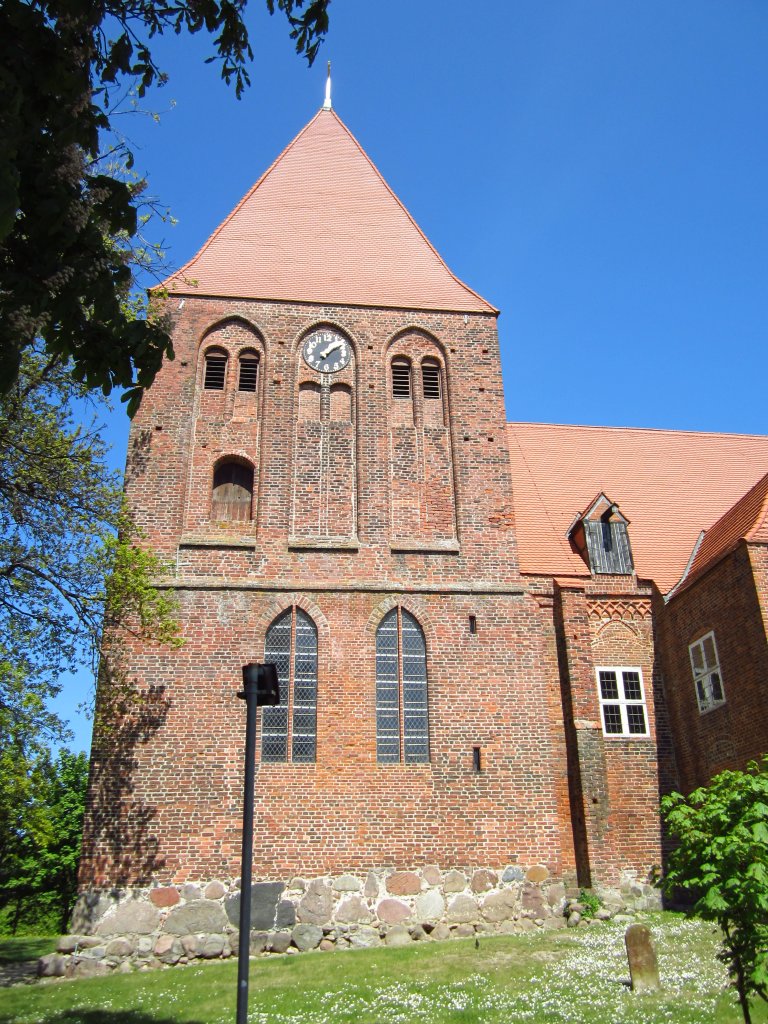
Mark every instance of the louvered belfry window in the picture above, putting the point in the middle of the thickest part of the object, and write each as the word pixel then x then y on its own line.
pixel 608 547
pixel 401 378
pixel 402 716
pixel 430 380
pixel 249 372
pixel 232 496
pixel 215 371
pixel 289 730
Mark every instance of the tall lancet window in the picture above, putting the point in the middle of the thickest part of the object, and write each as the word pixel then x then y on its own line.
pixel 289 730
pixel 402 715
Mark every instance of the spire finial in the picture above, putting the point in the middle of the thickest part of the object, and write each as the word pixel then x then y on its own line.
pixel 327 104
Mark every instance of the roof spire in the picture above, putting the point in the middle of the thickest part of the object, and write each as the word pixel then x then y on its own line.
pixel 327 104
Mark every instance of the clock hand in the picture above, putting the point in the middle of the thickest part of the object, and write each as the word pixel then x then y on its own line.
pixel 334 345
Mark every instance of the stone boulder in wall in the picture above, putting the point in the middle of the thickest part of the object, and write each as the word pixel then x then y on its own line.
pixel 196 916
pixel 265 907
pixel 316 905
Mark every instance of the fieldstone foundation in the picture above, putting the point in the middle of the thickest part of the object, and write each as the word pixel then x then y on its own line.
pixel 153 927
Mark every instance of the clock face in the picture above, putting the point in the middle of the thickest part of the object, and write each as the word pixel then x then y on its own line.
pixel 326 351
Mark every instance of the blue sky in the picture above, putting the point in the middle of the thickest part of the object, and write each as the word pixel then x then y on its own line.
pixel 597 169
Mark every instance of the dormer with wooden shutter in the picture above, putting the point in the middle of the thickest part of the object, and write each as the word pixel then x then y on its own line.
pixel 601 537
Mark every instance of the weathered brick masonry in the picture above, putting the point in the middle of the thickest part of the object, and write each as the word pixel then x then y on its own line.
pixel 729 600
pixel 615 780
pixel 496 688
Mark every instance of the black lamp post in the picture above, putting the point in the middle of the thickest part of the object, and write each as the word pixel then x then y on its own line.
pixel 260 686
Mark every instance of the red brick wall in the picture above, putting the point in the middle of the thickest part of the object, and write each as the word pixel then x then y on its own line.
pixel 615 780
pixel 758 557
pixel 421 458
pixel 730 600
pixel 166 788
pixel 165 450
pixel 183 787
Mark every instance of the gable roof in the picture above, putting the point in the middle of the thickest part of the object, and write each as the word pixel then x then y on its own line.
pixel 746 520
pixel 322 225
pixel 670 484
pixel 600 501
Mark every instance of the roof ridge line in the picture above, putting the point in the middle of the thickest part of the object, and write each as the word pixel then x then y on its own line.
pixel 407 213
pixel 693 572
pixel 242 202
pixel 639 430
pixel 761 516
pixel 689 565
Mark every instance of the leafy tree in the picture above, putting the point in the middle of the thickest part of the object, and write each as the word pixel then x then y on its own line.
pixel 41 837
pixel 64 67
pixel 722 860
pixel 68 561
pixel 73 581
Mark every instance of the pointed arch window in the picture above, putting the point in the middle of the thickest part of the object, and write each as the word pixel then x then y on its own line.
pixel 232 496
pixel 402 716
pixel 215 369
pixel 289 730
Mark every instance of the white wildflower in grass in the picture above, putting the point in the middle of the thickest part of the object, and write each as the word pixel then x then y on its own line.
pixel 575 977
pixel 585 980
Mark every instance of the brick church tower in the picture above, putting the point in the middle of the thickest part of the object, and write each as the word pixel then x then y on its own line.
pixel 325 467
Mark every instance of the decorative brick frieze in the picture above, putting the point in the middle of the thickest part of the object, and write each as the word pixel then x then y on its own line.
pixel 617 609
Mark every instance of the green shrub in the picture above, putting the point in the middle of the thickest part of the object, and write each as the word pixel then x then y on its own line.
pixel 590 901
pixel 721 860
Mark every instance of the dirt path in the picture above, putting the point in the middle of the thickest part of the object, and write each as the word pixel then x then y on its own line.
pixel 22 972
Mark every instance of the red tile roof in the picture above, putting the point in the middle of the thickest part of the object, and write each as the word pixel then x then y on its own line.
pixel 746 520
pixel 670 484
pixel 322 225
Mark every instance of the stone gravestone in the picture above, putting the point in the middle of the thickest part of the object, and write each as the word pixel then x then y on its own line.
pixel 643 966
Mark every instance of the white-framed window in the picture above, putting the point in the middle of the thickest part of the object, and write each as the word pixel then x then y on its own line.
pixel 622 701
pixel 705 665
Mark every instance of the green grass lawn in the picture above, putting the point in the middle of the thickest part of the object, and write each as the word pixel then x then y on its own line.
pixel 575 976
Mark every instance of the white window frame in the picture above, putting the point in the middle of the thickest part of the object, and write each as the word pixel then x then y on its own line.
pixel 703 673
pixel 622 702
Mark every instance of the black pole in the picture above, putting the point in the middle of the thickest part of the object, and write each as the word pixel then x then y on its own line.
pixel 249 694
pixel 260 686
